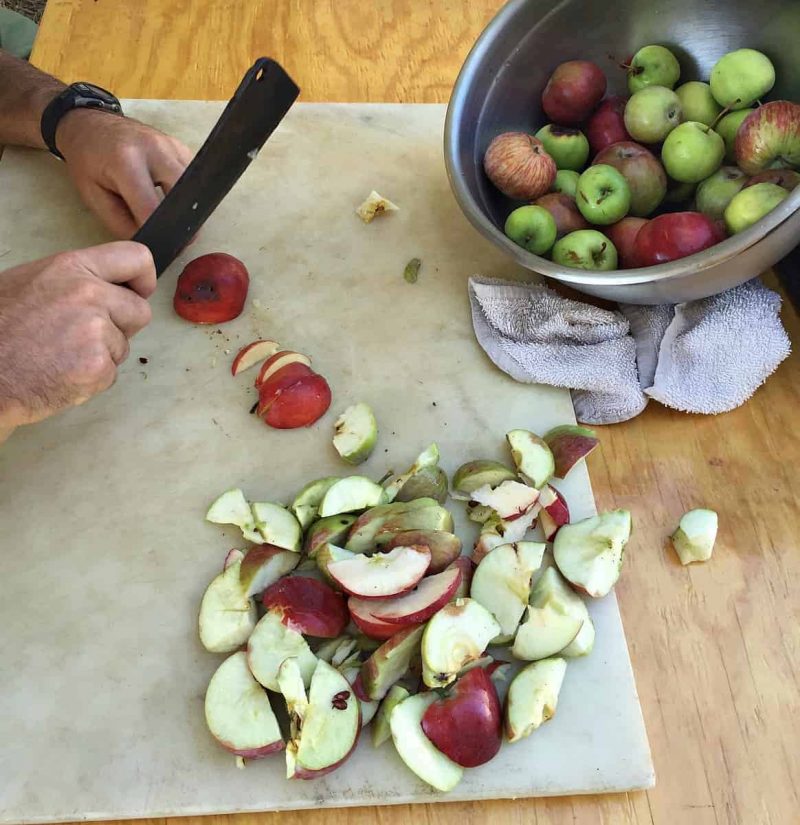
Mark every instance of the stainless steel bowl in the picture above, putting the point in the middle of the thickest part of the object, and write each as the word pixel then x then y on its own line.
pixel 499 89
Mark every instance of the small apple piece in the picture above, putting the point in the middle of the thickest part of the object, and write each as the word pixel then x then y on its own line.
pixel 467 568
pixel 545 631
pixel 518 165
pixel 698 102
pixel 306 503
pixel 741 77
pixel 375 205
pixel 333 530
pixel 474 474
pixel 349 495
pixel 444 547
pixel 585 249
pixel 566 182
pixel 277 525
pixel 331 647
pixel 565 212
pixel 727 128
pixel 553 513
pixel 381 732
pixel 692 151
pixel 787 178
pixel 232 508
pixel 355 433
pixel 623 235
pixel 533 697
pixel 676 235
pixel 551 588
pixel 653 66
pixel 607 124
pixel 299 405
pixel 532 457
pixel 495 532
pixel 414 747
pixel 233 556
pixel 643 172
pixel 569 444
pixel 428 482
pixel 270 644
pixel 390 662
pixel 308 606
pixel 211 289
pixel 252 354
pixel 589 553
pixel 429 457
pixel 750 205
pixel 567 146
pixel 457 634
pixel 652 113
pixel 277 361
pixel 573 91
pixel 479 513
pixel 716 192
pixel 381 575
pixel 769 138
pixel 694 539
pixel 263 565
pixel 227 615
pixel 603 195
pixel 531 227
pixel 238 712
pixel 510 500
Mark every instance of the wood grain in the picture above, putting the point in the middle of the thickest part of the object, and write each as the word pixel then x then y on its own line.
pixel 715 647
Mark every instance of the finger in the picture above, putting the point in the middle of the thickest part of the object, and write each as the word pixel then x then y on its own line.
pixel 117 343
pixel 112 211
pixel 122 262
pixel 165 167
pixel 129 312
pixel 135 186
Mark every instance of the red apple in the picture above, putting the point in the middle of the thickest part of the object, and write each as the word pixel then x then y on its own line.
pixel 466 723
pixel 517 164
pixel 607 124
pixel 277 362
pixel 787 178
pixel 250 354
pixel 300 404
pixel 676 235
pixel 643 171
pixel 769 137
pixel 281 380
pixel 565 212
pixel 623 235
pixel 308 606
pixel 211 289
pixel 573 91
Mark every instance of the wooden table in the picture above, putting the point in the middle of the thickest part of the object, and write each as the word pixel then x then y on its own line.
pixel 715 648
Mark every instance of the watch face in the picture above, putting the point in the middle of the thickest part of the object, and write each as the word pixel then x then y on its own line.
pixel 92 91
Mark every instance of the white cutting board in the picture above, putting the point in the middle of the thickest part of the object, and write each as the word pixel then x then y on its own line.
pixel 104 553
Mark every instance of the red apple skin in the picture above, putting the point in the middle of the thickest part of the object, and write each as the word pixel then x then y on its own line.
pixel 573 91
pixel 643 171
pixel 299 405
pixel 675 235
pixel 254 753
pixel 443 552
pixel 607 124
pixel 308 606
pixel 375 629
pixel 787 178
pixel 281 380
pixel 565 212
pixel 765 134
pixel 517 164
pixel 211 289
pixel 466 725
pixel 558 510
pixel 623 235
pixel 359 690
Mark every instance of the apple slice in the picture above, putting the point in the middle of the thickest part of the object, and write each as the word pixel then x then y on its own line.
pixel 355 433
pixel 330 530
pixel 279 360
pixel 551 588
pixel 381 575
pixel 378 526
pixel 589 553
pixel 544 632
pixel 231 557
pixel 329 554
pixel 270 644
pixel 284 379
pixel 308 606
pixel 232 508
pixel 553 513
pixel 466 724
pixel 429 482
pixel 368 707
pixel 277 525
pixel 444 547
pixel 533 697
pixel 414 747
pixel 375 205
pixel 349 495
pixel 694 539
pixel 227 614
pixel 375 629
pixel 502 583
pixel 429 457
pixel 455 635
pixel 569 444
pixel 263 565
pixel 390 662
pixel 329 647
pixel 532 457
pixel 479 473
pixel 510 500
pixel 253 353
pixel 381 732
pixel 467 568
pixel 306 503
pixel 238 712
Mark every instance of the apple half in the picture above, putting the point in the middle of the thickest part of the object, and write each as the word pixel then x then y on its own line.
pixel 355 433
pixel 233 508
pixel 227 614
pixel 569 444
pixel 381 575
pixel 390 662
pixel 443 546
pixel 533 697
pixel 270 644
pixel 308 606
pixel 429 457
pixel 305 505
pixel 253 353
pixel 350 495
pixel 381 732
pixel 510 500
pixel 532 456
pixel 330 530
pixel 694 539
pixel 277 525
pixel 552 588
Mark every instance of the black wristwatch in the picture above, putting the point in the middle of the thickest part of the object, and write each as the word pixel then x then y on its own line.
pixel 76 96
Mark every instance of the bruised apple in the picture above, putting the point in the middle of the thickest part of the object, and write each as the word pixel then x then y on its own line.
pixel 211 289
pixel 607 124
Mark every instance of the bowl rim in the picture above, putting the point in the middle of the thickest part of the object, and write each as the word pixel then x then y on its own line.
pixel 705 259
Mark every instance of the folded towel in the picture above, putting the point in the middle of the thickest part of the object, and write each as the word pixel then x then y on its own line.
pixel 690 356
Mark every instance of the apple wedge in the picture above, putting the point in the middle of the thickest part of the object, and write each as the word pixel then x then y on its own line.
pixel 270 644
pixel 510 500
pixel 263 565
pixel 429 457
pixel 694 539
pixel 467 568
pixel 381 732
pixel 390 662
pixel 544 632
pixel 414 747
pixel 444 547
pixel 306 503
pixel 277 525
pixel 238 712
pixel 553 512
pixel 589 553
pixel 532 457
pixel 381 575
pixel 551 588
pixel 279 360
pixel 252 354
pixel 233 508
pixel 479 473
pixel 375 629
pixel 569 444
pixel 227 614
pixel 331 530
pixel 457 634
pixel 350 495
pixel 429 482
pixel 533 697
pixel 502 583
pixel 355 433
pixel 379 525
pixel 308 606
pixel 329 554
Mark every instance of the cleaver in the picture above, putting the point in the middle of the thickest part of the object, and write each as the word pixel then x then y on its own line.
pixel 259 104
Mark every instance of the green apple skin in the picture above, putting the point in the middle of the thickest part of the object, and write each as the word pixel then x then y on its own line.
pixel 692 152
pixel 567 146
pixel 752 204
pixel 716 192
pixel 653 66
pixel 698 102
pixel 533 228
pixel 586 249
pixel 603 196
pixel 727 127
pixel 652 113
pixel 740 78
pixel 566 182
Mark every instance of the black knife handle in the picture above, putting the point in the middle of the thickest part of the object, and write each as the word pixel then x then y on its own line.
pixel 259 104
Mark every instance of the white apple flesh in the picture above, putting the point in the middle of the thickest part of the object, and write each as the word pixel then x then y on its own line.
pixel 510 500
pixel 544 632
pixel 532 457
pixel 277 525
pixel 390 662
pixel 305 505
pixel 533 697
pixel 381 731
pixel 263 565
pixel 232 557
pixel 227 614
pixel 252 354
pixel 381 575
pixel 694 539
pixel 270 643
pixel 233 508
pixel 351 494
pixel 551 588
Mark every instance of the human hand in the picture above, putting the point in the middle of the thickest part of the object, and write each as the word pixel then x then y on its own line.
pixel 117 165
pixel 65 322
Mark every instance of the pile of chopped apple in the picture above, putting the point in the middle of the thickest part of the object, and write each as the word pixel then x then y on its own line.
pixel 354 605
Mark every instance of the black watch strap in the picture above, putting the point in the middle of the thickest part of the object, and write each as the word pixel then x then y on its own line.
pixel 76 96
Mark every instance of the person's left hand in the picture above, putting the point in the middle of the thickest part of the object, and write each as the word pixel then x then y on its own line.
pixel 118 166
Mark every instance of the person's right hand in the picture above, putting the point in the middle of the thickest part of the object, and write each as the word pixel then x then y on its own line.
pixel 65 322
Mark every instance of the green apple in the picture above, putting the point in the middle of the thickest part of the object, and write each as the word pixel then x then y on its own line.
pixel 751 204
pixel 586 249
pixel 566 182
pixel 567 146
pixel 740 78
pixel 698 102
pixel 531 227
pixel 717 191
pixel 652 113
pixel 727 127
pixel 653 66
pixel 692 152
pixel 603 196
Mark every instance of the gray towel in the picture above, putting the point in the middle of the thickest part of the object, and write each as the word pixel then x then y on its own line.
pixel 689 357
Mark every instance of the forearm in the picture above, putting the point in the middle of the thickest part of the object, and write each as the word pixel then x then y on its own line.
pixel 24 94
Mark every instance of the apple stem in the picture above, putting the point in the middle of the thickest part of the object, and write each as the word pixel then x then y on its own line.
pixel 719 117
